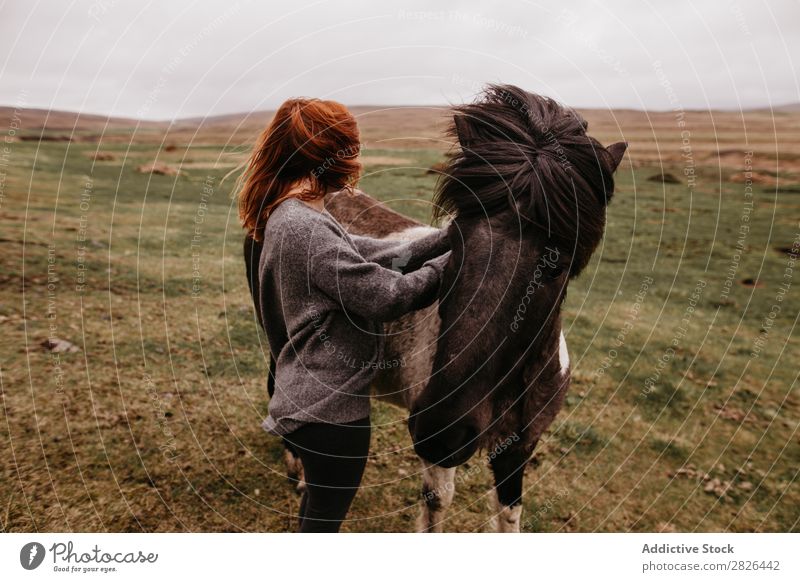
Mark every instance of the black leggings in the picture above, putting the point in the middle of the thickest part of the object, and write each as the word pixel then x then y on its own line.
pixel 334 457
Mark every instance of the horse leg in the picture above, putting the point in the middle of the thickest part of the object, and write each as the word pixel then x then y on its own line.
pixel 509 471
pixel 438 489
pixel 294 467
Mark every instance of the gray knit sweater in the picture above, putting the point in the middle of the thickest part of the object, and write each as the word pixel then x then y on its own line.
pixel 323 297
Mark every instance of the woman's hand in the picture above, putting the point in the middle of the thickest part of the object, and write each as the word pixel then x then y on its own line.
pixel 440 262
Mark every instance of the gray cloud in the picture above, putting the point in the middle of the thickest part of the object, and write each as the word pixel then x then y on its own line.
pixel 180 59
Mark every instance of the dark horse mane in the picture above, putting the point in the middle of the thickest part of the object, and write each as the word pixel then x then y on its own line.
pixel 526 152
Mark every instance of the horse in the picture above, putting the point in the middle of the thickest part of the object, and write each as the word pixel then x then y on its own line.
pixel 487 367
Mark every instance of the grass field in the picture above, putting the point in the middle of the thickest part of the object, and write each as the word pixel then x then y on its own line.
pixel 684 409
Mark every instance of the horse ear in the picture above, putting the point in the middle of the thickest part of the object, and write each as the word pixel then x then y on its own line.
pixel 617 151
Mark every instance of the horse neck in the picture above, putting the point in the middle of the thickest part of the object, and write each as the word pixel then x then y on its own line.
pixel 364 215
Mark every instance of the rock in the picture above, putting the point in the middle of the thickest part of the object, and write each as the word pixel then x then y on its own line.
pixel 717 487
pixel 746 486
pixel 58 346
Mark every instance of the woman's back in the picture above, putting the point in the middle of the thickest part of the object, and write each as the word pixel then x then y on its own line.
pixel 323 354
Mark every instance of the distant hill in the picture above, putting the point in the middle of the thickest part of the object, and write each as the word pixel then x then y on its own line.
pixel 67 121
pixel 652 135
pixel 378 123
pixel 788 108
pixel 410 117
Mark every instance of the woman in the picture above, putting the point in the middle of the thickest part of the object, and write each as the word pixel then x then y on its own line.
pixel 322 296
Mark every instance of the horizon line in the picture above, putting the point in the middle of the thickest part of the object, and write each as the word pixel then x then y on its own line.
pixel 768 107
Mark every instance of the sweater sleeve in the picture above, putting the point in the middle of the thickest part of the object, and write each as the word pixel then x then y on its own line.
pixel 366 288
pixel 405 256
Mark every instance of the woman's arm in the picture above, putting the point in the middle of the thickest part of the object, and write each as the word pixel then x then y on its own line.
pixel 369 290
pixel 404 256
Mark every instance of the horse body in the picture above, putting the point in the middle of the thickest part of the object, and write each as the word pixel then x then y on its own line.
pixel 518 419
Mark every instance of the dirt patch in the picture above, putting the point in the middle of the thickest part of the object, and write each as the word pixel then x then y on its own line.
pixel 724 303
pixel 385 161
pixel 730 157
pixel 762 178
pixel 101 156
pixel 209 165
pixel 733 413
pixel 45 138
pixel 664 178
pixel 719 486
pixel 159 168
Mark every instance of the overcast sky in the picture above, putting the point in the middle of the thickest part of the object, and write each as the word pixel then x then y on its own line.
pixel 162 60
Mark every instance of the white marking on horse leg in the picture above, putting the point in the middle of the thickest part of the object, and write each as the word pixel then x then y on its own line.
pixel 505 519
pixel 294 470
pixel 563 354
pixel 438 489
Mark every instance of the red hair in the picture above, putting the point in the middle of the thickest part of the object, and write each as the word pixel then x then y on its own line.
pixel 307 139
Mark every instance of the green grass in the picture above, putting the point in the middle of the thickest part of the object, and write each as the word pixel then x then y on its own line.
pixel 154 424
